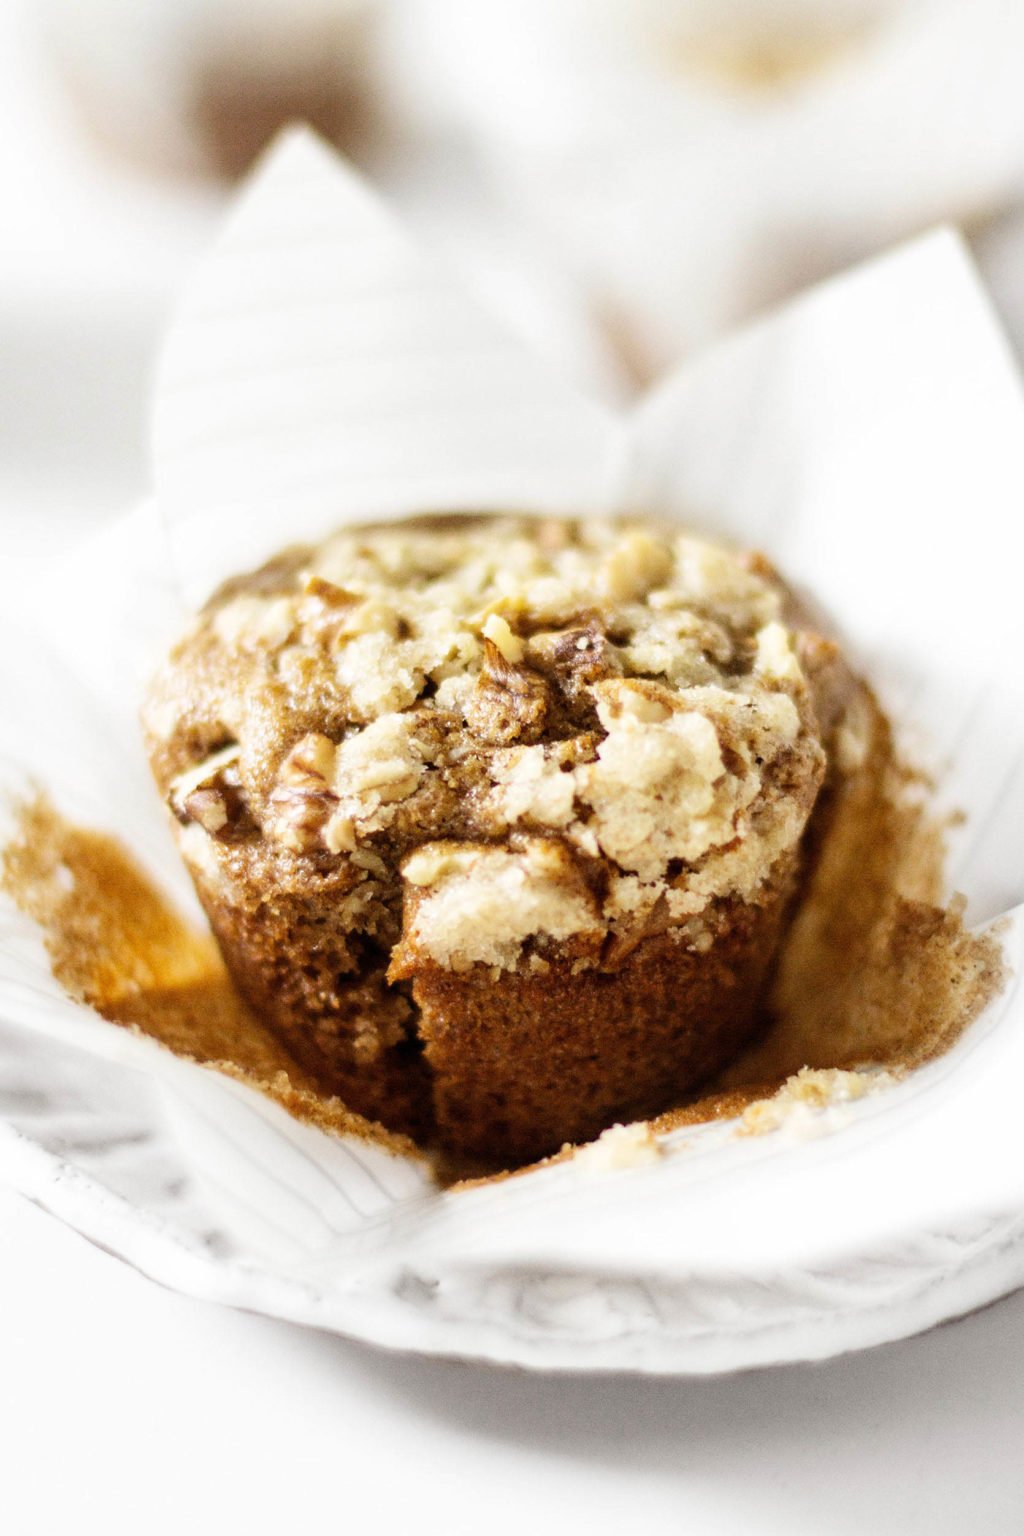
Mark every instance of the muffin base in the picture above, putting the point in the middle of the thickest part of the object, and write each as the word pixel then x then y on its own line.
pixel 503 1066
pixel 525 1063
pixel 323 992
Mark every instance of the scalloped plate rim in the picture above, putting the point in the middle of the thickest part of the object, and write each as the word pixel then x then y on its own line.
pixel 152 1247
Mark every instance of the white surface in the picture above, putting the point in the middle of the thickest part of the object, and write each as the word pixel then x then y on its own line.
pixel 124 1409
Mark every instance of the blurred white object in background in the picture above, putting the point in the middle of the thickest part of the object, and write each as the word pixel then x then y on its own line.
pixel 199 86
pixel 697 160
pixel 999 251
pixel 665 167
pixel 92 250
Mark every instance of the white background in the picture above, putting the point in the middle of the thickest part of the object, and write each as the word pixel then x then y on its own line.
pixel 124 1408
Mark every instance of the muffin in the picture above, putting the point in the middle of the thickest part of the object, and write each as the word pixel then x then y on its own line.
pixel 200 90
pixel 498 820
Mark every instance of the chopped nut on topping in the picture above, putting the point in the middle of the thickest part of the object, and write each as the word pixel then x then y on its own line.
pixel 775 656
pixel 509 703
pixel 310 760
pixel 203 773
pixel 327 592
pixel 208 807
pixel 209 793
pixel 576 658
pixel 496 630
pixel 340 833
pixel 302 799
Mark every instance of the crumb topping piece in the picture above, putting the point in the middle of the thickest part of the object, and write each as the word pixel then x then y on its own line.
pixel 477 904
pixel 523 729
pixel 620 1146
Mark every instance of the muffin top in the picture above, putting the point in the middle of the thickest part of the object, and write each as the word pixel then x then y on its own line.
pixel 530 731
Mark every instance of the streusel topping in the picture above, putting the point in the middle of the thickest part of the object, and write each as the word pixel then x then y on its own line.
pixel 524 731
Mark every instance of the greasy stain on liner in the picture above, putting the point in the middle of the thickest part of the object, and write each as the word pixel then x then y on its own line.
pixel 874 969
pixel 117 945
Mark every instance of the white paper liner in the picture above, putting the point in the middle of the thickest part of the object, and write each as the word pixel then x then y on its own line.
pixel 322 368
pixel 872 437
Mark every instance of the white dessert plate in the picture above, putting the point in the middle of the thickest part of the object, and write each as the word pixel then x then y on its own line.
pixel 724 1255
pixel 871 438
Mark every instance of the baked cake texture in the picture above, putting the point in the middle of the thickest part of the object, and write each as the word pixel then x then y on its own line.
pixel 498 820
